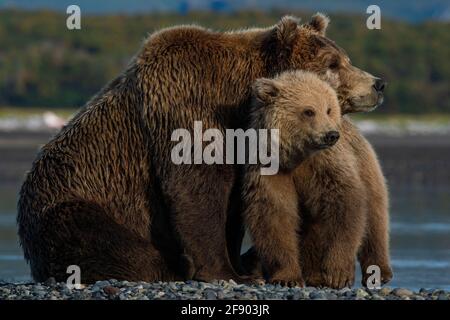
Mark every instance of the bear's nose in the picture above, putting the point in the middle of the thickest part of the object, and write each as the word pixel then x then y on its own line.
pixel 379 84
pixel 331 137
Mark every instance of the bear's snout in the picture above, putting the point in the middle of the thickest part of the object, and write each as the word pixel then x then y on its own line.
pixel 330 138
pixel 379 85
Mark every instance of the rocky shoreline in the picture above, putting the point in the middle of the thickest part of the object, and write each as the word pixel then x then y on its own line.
pixel 193 290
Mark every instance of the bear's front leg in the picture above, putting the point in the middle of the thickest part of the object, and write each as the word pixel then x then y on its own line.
pixel 328 261
pixel 331 238
pixel 375 253
pixel 375 248
pixel 197 196
pixel 270 213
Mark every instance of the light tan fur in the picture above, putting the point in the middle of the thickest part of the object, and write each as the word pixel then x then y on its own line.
pixel 304 109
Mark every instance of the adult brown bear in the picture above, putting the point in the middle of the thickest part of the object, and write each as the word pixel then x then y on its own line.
pixel 104 194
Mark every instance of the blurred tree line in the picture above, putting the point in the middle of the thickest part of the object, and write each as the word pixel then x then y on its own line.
pixel 44 64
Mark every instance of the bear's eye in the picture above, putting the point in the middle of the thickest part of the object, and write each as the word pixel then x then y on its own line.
pixel 309 113
pixel 334 64
pixel 329 111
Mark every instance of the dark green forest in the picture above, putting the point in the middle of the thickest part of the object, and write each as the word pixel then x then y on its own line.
pixel 43 64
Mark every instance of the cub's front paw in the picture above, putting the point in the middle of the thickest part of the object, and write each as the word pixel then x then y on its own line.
pixel 338 276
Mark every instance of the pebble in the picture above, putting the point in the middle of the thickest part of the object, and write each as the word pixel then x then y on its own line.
pixel 331 296
pixel 344 290
pixel 210 294
pixel 438 292
pixel 317 295
pixel 232 282
pixel 124 290
pixel 102 284
pixel 205 285
pixel 385 291
pixel 189 289
pixel 361 293
pixel 402 292
pixel 349 294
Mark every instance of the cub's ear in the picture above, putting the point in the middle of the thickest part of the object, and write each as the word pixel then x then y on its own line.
pixel 286 30
pixel 319 23
pixel 265 90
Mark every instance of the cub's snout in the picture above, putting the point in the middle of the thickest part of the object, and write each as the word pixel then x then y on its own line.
pixel 330 138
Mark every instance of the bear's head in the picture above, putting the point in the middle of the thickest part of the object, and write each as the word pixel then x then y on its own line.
pixel 303 107
pixel 307 48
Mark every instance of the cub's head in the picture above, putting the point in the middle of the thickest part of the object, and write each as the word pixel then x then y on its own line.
pixel 307 48
pixel 303 107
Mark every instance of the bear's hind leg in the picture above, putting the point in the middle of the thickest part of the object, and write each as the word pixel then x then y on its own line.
pixel 81 233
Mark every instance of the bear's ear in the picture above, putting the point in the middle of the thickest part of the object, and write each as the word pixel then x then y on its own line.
pixel 286 30
pixel 265 90
pixel 319 23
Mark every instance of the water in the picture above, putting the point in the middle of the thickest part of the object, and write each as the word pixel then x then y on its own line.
pixel 12 264
pixel 420 215
pixel 420 237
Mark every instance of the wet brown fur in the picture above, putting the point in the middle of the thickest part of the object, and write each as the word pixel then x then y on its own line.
pixel 104 194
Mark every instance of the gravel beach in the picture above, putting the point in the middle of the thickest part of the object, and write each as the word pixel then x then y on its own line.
pixel 193 290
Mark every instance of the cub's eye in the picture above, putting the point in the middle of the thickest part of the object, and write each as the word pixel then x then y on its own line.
pixel 329 111
pixel 309 113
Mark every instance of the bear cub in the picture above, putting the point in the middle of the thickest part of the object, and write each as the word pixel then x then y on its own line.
pixel 307 114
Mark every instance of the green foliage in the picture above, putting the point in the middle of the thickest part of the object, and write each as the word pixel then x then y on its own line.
pixel 44 64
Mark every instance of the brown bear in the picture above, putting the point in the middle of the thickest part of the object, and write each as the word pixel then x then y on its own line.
pixel 104 193
pixel 333 202
pixel 306 111
pixel 343 212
